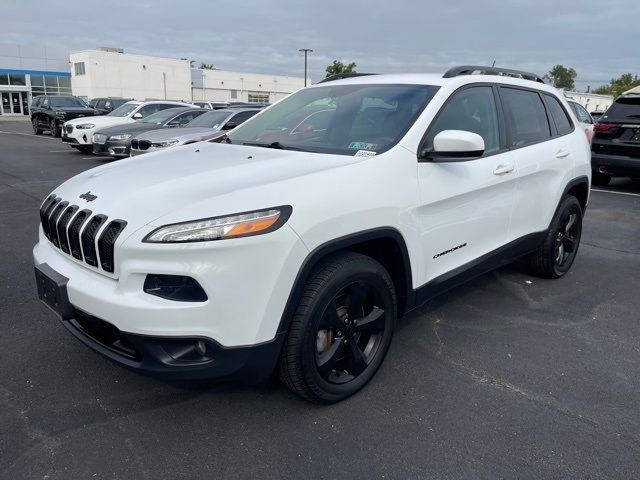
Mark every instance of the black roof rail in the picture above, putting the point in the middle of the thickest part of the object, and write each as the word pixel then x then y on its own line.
pixel 470 69
pixel 340 76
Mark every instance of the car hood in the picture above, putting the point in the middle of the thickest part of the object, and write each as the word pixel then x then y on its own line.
pixel 132 128
pixel 101 121
pixel 182 134
pixel 206 179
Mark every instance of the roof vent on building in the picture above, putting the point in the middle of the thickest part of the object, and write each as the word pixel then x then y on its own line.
pixel 111 49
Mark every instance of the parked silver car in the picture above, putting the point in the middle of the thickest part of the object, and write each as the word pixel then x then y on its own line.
pixel 206 127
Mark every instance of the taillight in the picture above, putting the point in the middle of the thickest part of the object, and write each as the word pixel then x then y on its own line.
pixel 603 127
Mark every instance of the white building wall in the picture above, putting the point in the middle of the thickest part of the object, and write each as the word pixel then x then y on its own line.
pixel 229 86
pixel 591 101
pixel 110 74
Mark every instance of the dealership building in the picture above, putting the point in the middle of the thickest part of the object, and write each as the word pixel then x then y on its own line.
pixel 27 71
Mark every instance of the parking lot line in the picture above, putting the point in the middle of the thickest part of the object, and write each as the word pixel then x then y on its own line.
pixel 617 193
pixel 29 135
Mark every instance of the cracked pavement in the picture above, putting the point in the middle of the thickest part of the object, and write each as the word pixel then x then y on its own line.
pixel 508 376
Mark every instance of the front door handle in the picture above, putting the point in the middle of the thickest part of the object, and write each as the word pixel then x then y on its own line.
pixel 503 169
pixel 562 153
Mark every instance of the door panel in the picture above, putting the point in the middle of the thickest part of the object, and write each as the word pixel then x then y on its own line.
pixel 465 206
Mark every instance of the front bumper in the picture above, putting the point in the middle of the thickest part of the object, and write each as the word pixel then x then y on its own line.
pixel 615 165
pixel 188 358
pixel 112 148
pixel 78 136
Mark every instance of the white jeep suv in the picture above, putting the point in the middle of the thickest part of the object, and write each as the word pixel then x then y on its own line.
pixel 295 247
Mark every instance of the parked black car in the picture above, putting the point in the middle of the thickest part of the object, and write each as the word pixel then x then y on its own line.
pixel 615 150
pixel 49 112
pixel 106 105
pixel 118 141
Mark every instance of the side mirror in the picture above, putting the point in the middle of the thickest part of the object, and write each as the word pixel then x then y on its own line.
pixel 454 146
pixel 229 126
pixel 137 116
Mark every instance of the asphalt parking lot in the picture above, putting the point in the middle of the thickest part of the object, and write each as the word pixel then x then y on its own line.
pixel 508 376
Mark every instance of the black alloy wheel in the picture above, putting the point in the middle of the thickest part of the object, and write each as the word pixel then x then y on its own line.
pixel 341 329
pixel 558 251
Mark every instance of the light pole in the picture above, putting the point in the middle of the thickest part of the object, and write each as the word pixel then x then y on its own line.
pixel 306 52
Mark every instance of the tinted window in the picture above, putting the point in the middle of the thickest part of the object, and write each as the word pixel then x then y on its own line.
pixel 243 116
pixel 581 113
pixel 93 102
pixel 186 117
pixel 628 107
pixel 149 109
pixel 101 103
pixel 63 102
pixel 526 116
pixel 559 115
pixel 473 110
pixel 211 119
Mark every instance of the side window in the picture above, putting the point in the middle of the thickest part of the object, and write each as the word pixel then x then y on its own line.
pixel 45 102
pixel 107 105
pixel 581 113
pixel 242 117
pixel 149 109
pixel 185 118
pixel 100 103
pixel 559 115
pixel 93 102
pixel 526 116
pixel 473 110
pixel 164 106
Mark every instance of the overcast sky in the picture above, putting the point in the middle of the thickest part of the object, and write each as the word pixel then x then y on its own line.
pixel 600 39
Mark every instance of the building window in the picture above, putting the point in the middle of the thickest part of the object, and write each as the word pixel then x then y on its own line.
pixel 4 79
pixel 234 93
pixel 17 80
pixel 257 97
pixel 79 68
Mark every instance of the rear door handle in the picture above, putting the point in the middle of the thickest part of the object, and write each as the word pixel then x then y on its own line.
pixel 562 153
pixel 503 169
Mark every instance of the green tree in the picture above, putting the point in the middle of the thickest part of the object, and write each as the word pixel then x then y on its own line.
pixel 619 85
pixel 562 77
pixel 338 67
pixel 207 66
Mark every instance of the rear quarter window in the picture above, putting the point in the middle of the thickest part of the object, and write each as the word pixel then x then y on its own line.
pixel 526 116
pixel 559 115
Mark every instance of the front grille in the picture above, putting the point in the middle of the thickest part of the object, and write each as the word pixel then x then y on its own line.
pixel 68 128
pixel 75 232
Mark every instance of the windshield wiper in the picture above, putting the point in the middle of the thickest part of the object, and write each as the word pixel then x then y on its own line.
pixel 276 145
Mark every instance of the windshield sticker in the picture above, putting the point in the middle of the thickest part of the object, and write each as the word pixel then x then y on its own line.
pixel 365 153
pixel 363 146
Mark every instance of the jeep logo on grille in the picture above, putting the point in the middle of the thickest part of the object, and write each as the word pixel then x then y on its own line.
pixel 88 196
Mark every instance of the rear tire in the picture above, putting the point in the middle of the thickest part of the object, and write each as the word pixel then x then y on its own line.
pixel 600 179
pixel 558 251
pixel 341 329
pixel 54 128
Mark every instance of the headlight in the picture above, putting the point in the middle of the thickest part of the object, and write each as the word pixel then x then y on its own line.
pixel 164 143
pixel 122 136
pixel 85 126
pixel 60 114
pixel 232 226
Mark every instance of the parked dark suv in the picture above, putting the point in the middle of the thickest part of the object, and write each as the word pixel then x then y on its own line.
pixel 616 141
pixel 49 112
pixel 108 104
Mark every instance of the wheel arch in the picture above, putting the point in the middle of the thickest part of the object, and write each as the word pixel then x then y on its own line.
pixel 385 245
pixel 579 188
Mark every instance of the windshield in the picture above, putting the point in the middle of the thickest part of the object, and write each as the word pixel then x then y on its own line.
pixel 341 119
pixel 161 117
pixel 66 102
pixel 214 119
pixel 628 107
pixel 123 110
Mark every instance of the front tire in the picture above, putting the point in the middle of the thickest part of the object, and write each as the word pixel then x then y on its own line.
pixel 558 251
pixel 341 329
pixel 600 179
pixel 36 129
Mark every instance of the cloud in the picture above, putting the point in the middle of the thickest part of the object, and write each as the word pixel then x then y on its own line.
pixel 406 35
